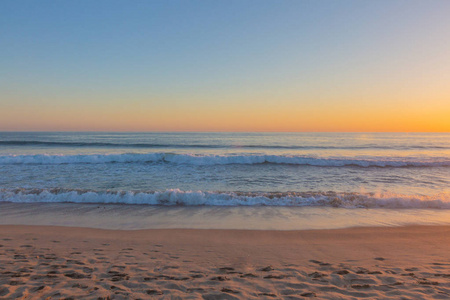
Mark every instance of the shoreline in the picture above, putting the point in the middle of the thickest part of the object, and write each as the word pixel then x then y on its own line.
pixel 133 217
pixel 377 262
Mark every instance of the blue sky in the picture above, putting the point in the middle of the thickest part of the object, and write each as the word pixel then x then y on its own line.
pixel 208 56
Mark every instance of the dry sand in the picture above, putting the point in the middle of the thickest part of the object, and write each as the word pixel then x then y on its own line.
pixel 39 262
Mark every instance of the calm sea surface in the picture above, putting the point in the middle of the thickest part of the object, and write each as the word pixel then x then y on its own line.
pixel 220 173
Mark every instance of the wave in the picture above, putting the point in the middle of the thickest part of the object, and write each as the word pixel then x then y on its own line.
pixel 222 160
pixel 175 197
pixel 216 146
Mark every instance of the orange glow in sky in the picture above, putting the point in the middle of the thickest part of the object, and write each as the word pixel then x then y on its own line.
pixel 288 66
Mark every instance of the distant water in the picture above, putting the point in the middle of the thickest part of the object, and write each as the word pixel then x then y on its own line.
pixel 346 170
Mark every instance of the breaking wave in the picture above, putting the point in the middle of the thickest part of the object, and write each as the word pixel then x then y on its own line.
pixel 175 197
pixel 222 160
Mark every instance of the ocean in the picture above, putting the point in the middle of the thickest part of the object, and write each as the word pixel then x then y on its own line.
pixel 224 180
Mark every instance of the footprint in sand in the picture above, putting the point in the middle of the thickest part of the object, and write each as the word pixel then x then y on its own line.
pixel 154 292
pixel 427 282
pixel 360 286
pixel 317 275
pixel 52 272
pixel 308 294
pixel 267 295
pixel 76 262
pixel 230 291
pixel 219 278
pixel 362 271
pixel 80 286
pixel 117 276
pixel 75 275
pixel 37 289
pixel 266 269
pixel 277 276
pixel 248 275
pixel 174 278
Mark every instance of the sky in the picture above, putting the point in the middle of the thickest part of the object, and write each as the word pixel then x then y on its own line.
pixel 245 65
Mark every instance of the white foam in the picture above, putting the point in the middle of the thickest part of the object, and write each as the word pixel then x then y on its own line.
pixel 197 198
pixel 223 160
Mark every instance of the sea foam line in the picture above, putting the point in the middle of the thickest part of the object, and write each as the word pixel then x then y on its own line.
pixel 222 160
pixel 175 197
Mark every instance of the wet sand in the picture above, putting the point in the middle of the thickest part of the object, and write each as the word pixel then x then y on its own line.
pixel 39 262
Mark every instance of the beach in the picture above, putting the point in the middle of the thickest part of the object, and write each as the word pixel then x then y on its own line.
pixel 113 215
pixel 56 262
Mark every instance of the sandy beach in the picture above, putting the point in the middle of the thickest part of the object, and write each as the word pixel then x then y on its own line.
pixel 48 262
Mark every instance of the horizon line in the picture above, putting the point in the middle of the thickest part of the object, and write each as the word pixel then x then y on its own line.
pixel 206 131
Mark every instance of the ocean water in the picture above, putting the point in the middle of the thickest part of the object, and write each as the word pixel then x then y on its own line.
pixel 223 180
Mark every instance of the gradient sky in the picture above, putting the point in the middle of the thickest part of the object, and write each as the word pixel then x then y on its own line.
pixel 225 65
